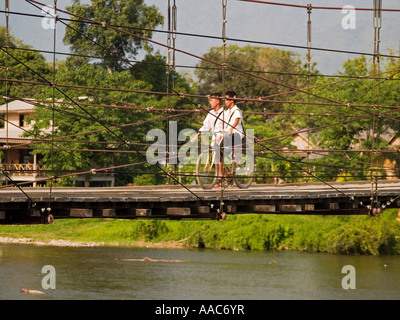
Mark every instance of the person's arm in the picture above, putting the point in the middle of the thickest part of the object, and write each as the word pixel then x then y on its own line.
pixel 233 126
pixel 236 116
pixel 195 137
pixel 205 127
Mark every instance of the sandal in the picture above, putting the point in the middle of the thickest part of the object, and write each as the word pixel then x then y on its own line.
pixel 218 183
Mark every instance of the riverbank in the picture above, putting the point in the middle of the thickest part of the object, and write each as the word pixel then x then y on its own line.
pixel 333 234
pixel 70 243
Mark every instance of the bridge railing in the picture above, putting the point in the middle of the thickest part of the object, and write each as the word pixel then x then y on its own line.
pixel 23 169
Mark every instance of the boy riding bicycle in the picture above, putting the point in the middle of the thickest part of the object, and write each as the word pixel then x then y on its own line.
pixel 233 129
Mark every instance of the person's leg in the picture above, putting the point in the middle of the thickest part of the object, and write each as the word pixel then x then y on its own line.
pixel 237 147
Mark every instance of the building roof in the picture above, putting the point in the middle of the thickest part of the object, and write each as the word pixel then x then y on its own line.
pixel 17 106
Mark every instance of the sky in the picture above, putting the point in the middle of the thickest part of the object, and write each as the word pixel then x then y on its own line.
pixel 279 26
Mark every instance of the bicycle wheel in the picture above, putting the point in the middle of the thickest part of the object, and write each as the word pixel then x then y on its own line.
pixel 206 172
pixel 244 170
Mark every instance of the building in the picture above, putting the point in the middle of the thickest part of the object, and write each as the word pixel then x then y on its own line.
pixel 305 141
pixel 16 156
pixel 388 165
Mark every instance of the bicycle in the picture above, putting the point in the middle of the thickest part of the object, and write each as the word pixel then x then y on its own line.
pixel 239 171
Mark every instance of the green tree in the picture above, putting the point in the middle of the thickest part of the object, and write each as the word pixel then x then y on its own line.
pixel 106 43
pixel 360 104
pixel 23 63
pixel 153 70
pixel 252 72
pixel 265 72
pixel 96 119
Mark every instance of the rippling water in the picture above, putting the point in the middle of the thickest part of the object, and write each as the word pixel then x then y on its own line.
pixel 98 273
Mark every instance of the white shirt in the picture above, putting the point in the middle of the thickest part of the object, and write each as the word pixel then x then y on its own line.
pixel 211 123
pixel 235 113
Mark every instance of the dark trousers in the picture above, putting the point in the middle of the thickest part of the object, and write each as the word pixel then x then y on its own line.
pixel 231 142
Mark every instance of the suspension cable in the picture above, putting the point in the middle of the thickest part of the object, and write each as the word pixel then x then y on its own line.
pixel 174 27
pixel 168 72
pixel 309 11
pixel 171 66
pixel 377 23
pixel 222 101
pixel 7 12
pixel 338 104
pixel 315 7
pixel 53 105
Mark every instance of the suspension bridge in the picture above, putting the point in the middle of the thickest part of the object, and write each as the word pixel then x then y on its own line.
pixel 169 202
pixel 22 204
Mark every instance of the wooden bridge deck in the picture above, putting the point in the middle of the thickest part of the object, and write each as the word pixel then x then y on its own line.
pixel 174 202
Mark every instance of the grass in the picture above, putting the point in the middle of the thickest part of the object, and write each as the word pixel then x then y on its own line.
pixel 335 234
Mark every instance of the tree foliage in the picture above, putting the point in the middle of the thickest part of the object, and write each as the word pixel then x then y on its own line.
pixel 106 43
pixel 22 64
pixel 265 72
pixel 351 112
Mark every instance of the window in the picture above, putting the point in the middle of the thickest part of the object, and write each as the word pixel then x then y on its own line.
pixel 21 120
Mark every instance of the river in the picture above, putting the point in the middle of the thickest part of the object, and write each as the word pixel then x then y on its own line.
pixel 120 273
